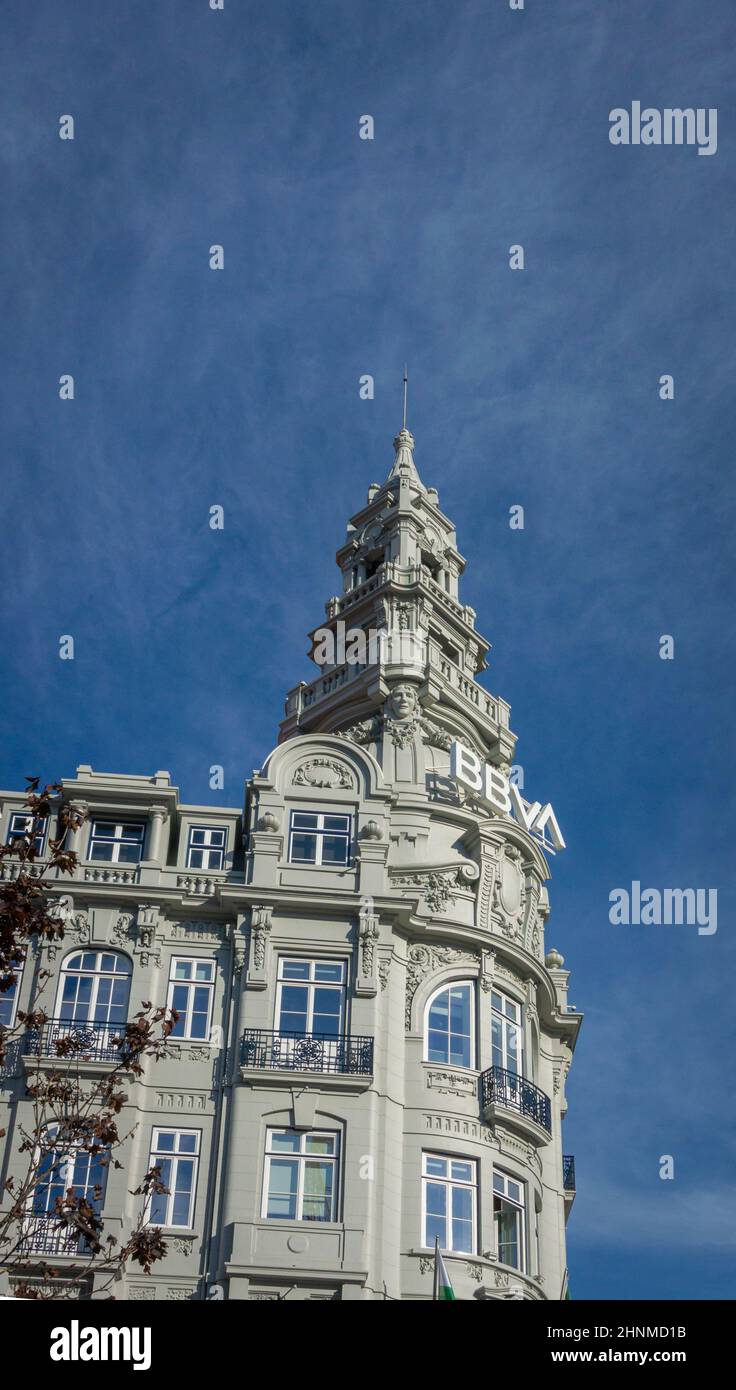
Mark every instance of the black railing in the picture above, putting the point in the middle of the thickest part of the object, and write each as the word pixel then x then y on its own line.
pixel 501 1087
pixel 84 1042
pixel 568 1172
pixel 45 1235
pixel 321 1052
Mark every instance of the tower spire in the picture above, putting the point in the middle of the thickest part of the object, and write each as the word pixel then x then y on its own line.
pixel 404 465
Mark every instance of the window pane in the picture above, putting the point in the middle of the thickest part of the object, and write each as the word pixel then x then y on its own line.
pixel 319 1144
pixel 436 1167
pixel 183 970
pixel 203 970
pixel 329 972
pixel 334 850
pixel 129 854
pixel 498 1183
pixel 295 970
pixel 188 1143
pixel 165 1141
pixel 285 1142
pixel 318 1180
pixel 462 1172
pixel 304 848
pixel 436 1200
pixel 336 822
pixel 304 820
pixel 282 1188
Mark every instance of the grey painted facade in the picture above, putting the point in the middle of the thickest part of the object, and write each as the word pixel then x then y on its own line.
pixel 433 893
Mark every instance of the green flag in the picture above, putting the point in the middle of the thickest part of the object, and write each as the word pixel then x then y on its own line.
pixel 442 1286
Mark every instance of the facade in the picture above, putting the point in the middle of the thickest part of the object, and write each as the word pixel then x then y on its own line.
pixel 373 1045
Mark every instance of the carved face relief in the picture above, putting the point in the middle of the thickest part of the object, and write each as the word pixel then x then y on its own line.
pixel 402 703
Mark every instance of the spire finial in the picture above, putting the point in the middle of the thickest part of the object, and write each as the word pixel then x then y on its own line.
pixel 406 392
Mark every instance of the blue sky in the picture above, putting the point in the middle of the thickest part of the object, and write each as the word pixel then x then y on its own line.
pixel 240 388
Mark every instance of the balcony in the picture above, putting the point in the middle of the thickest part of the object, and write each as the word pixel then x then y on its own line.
pixel 506 1091
pixel 45 1235
pixel 83 1042
pixel 322 1054
pixel 568 1175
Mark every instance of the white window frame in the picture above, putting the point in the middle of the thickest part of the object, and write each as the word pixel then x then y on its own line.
pixel 12 995
pixel 116 841
pixel 97 975
pixel 507 1023
pixel 449 1183
pixel 173 1156
pixel 520 1209
pixel 320 832
pixel 449 985
pixel 16 832
pixel 213 854
pixel 312 985
pixel 186 1014
pixel 301 1157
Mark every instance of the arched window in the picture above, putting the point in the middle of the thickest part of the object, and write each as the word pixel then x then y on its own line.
pixel 450 1025
pixel 94 988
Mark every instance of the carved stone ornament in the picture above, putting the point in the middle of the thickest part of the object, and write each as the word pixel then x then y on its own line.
pixel 509 894
pixel 260 931
pixel 436 885
pixel 368 932
pixel 322 772
pixel 123 931
pixel 425 960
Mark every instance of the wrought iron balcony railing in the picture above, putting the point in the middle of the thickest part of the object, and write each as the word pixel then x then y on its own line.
pixel 84 1042
pixel 316 1052
pixel 44 1235
pixel 501 1087
pixel 568 1172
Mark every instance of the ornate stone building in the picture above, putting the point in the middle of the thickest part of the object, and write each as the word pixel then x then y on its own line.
pixel 372 1046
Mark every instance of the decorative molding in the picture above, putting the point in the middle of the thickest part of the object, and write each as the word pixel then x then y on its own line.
pixel 260 930
pixel 205 933
pixel 437 885
pixel 142 1293
pixel 181 1100
pixel 323 772
pixel 451 1083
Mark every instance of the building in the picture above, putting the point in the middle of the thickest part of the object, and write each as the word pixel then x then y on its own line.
pixel 373 1046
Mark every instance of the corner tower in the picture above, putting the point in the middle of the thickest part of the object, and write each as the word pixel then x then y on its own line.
pixel 401 1036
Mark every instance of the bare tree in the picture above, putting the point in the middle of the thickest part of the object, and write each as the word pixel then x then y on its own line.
pixel 73 1116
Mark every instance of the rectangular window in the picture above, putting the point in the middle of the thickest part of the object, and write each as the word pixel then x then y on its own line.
pixel 449 1202
pixel 20 823
pixel 176 1153
pixel 301 1176
pixel 9 997
pixel 318 838
pixel 191 993
pixel 118 842
pixel 508 1214
pixel 506 1033
pixel 206 847
pixel 310 996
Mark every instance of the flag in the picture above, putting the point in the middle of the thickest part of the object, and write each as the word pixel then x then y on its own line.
pixel 442 1286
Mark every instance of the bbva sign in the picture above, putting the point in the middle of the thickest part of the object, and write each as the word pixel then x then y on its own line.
pixel 494 788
